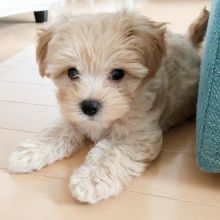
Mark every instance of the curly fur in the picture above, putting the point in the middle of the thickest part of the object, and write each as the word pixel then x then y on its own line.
pixel 159 90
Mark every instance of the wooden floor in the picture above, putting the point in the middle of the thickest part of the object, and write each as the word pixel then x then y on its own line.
pixel 173 188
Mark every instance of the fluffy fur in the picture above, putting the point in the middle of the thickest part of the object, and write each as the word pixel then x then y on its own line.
pixel 159 90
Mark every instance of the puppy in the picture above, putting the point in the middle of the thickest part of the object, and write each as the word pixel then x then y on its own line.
pixel 121 80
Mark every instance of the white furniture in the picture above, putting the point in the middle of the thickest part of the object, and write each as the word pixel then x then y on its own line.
pixel 40 7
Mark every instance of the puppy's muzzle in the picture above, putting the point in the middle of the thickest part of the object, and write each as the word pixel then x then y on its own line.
pixel 90 107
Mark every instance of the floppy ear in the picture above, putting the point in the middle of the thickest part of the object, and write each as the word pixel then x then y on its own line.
pixel 155 47
pixel 44 37
pixel 151 38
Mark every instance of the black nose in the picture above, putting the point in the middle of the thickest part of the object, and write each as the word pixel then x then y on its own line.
pixel 90 107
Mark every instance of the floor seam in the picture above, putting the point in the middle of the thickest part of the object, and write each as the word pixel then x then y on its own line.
pixel 26 103
pixel 176 199
pixel 11 129
pixel 173 151
pixel 28 83
pixel 35 174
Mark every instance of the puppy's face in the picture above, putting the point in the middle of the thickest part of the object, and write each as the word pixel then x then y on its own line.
pixel 98 63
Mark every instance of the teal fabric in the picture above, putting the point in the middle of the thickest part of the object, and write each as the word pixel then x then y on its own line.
pixel 208 107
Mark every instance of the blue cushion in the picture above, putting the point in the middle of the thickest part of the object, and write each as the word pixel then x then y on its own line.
pixel 208 107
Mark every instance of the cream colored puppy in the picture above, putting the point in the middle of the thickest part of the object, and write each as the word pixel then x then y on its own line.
pixel 121 80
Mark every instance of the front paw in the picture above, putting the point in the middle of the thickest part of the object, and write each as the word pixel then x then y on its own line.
pixel 26 159
pixel 93 184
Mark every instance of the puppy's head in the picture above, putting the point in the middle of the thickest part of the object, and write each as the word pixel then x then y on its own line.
pixel 98 62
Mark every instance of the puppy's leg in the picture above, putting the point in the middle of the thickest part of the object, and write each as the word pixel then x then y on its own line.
pixel 111 164
pixel 44 148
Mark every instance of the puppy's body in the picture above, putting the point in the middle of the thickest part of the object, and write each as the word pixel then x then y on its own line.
pixel 155 87
pixel 181 71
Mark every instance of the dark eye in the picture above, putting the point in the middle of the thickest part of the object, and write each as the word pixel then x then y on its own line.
pixel 116 74
pixel 73 73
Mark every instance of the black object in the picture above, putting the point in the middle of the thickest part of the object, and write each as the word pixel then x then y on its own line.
pixel 73 73
pixel 117 74
pixel 41 16
pixel 90 107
